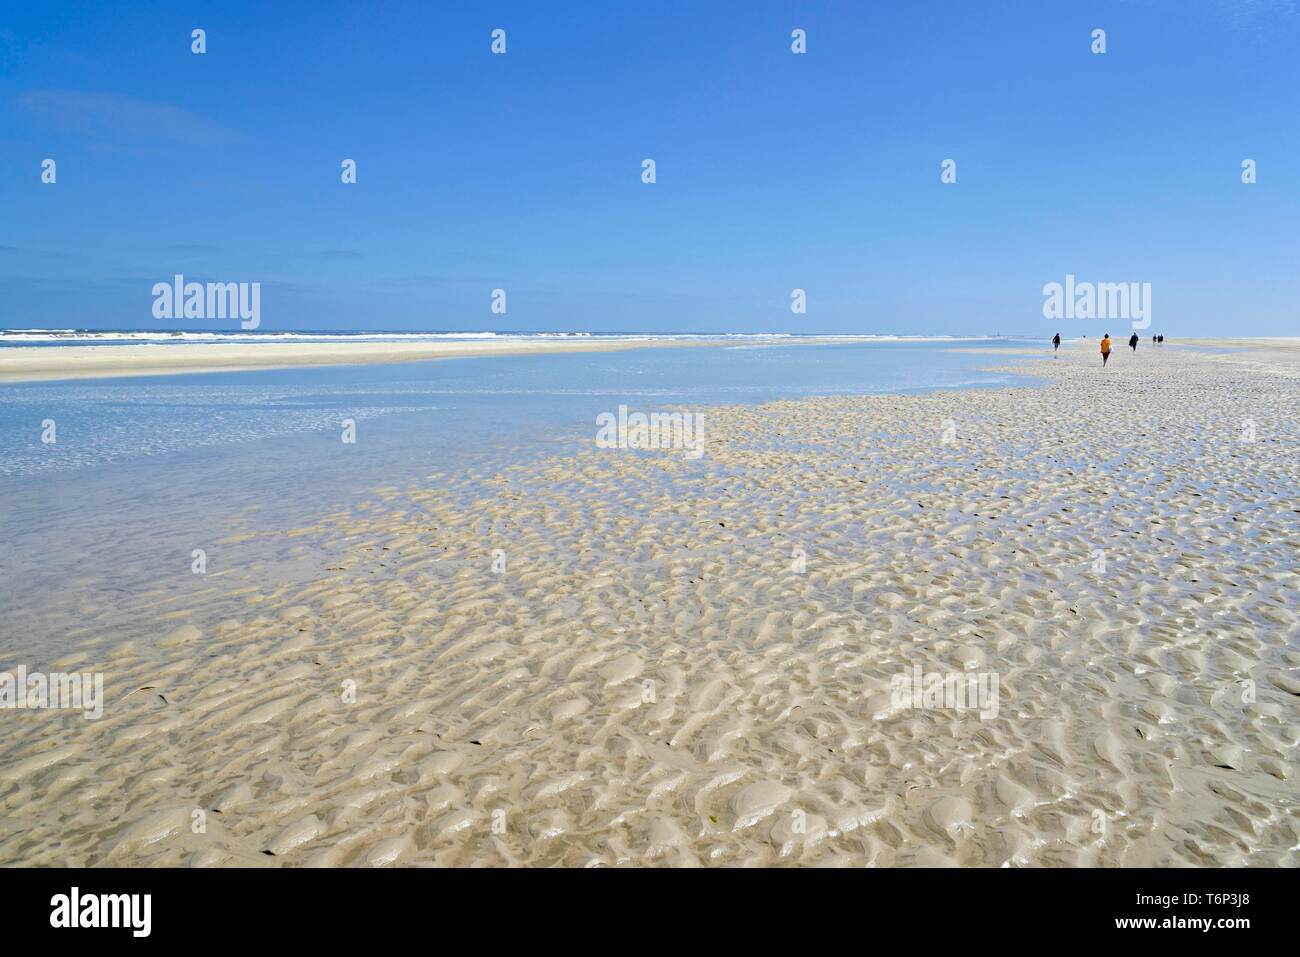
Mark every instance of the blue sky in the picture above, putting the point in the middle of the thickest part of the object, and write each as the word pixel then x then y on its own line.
pixel 775 171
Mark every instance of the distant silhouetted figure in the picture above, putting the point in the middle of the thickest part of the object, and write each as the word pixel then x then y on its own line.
pixel 1056 342
pixel 1105 349
pixel 1160 339
pixel 1153 339
pixel 1133 342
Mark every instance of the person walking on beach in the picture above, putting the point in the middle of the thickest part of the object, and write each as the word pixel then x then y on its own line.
pixel 1133 342
pixel 1105 349
pixel 1056 342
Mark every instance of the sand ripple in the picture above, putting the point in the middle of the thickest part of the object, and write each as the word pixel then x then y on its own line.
pixel 690 662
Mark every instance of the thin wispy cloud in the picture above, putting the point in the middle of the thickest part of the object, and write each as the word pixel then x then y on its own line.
pixel 116 115
pixel 23 251
pixel 1247 16
pixel 1252 16
pixel 1253 9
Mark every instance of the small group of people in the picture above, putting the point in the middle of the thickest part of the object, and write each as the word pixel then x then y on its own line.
pixel 1105 344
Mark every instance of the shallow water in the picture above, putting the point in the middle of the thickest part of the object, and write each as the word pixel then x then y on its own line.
pixel 146 470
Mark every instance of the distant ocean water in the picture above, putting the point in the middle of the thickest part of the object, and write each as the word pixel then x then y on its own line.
pixel 99 337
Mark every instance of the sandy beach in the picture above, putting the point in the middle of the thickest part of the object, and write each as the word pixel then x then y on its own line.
pixel 631 658
pixel 35 364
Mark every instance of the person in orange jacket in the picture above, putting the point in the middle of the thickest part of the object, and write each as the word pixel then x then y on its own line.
pixel 1105 348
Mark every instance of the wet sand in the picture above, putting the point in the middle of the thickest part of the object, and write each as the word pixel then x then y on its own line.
pixel 626 658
